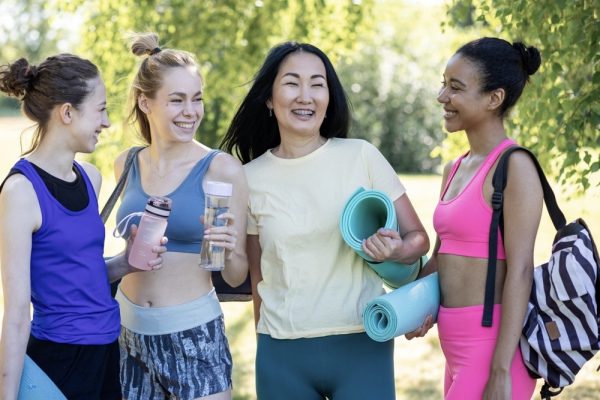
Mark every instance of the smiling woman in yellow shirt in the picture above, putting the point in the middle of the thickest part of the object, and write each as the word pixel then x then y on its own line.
pixel 310 288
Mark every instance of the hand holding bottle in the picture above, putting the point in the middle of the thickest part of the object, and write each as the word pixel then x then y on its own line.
pixel 219 236
pixel 157 251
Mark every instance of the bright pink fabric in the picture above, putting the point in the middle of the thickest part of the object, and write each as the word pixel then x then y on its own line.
pixel 463 223
pixel 469 348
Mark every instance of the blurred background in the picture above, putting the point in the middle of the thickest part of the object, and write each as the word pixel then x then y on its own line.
pixel 390 55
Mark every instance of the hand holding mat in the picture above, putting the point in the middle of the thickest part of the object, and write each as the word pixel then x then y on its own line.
pixel 402 310
pixel 364 213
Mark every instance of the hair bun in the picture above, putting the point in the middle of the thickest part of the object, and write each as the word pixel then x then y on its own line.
pixel 31 72
pixel 17 78
pixel 530 56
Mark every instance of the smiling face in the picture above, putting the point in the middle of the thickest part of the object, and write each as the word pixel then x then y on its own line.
pixel 90 118
pixel 177 109
pixel 465 105
pixel 300 95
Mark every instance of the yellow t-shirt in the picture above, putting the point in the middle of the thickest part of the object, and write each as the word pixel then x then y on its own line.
pixel 313 283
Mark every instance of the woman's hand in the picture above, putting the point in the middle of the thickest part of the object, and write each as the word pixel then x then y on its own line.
pixel 498 386
pixel 383 245
pixel 422 330
pixel 223 234
pixel 154 264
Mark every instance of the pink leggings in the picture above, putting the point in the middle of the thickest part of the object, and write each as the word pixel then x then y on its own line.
pixel 468 348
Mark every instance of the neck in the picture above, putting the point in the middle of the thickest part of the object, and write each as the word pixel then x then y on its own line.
pixel 54 156
pixel 164 158
pixel 486 137
pixel 297 147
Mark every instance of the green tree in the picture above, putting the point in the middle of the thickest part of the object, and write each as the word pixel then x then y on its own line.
pixel 559 115
pixel 229 38
pixel 28 29
pixel 392 80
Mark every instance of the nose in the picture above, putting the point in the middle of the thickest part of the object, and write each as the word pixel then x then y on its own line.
pixel 188 109
pixel 305 95
pixel 105 120
pixel 442 97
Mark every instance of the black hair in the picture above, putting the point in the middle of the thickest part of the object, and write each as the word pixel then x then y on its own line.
pixel 57 80
pixel 253 131
pixel 502 65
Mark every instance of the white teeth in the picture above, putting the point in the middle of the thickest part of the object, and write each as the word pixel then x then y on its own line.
pixel 449 114
pixel 303 112
pixel 185 125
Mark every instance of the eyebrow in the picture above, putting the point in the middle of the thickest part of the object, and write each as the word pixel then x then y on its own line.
pixel 181 94
pixel 457 81
pixel 295 75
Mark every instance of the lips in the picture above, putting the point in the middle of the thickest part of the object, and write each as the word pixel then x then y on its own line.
pixel 449 113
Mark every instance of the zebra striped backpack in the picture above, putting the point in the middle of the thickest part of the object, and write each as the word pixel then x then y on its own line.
pixel 560 332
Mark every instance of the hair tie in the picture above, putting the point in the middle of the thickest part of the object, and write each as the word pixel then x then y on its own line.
pixel 154 51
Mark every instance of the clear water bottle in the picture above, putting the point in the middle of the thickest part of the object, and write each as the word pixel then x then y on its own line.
pixel 217 195
pixel 150 231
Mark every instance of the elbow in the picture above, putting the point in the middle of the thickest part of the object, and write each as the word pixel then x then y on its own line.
pixel 423 243
pixel 237 272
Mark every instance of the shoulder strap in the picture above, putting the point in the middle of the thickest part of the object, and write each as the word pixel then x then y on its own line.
pixel 112 200
pixel 499 181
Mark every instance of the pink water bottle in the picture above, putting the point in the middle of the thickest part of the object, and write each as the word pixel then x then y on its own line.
pixel 150 231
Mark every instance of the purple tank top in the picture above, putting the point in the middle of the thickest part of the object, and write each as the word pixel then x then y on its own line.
pixel 70 291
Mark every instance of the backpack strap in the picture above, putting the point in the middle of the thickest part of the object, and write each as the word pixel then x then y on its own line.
pixel 112 200
pixel 499 181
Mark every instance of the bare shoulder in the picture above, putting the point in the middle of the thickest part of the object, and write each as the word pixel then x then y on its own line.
pixel 92 172
pixel 225 166
pixel 523 181
pixel 18 193
pixel 119 163
pixel 521 169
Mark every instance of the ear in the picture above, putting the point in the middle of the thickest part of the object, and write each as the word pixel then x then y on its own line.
pixel 65 113
pixel 269 104
pixel 143 104
pixel 496 99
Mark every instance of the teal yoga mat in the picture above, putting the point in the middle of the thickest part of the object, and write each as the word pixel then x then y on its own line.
pixel 402 310
pixel 35 384
pixel 364 213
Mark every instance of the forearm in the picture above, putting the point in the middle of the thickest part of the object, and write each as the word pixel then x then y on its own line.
pixel 430 267
pixel 117 267
pixel 236 269
pixel 414 245
pixel 515 295
pixel 15 334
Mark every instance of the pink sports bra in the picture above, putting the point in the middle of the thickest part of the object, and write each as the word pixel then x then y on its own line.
pixel 463 223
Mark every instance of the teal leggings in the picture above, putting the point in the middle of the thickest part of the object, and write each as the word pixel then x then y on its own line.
pixel 337 367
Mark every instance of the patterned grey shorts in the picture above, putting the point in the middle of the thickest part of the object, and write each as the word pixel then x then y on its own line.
pixel 182 365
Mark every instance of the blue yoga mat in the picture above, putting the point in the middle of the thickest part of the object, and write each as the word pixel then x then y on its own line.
pixel 402 310
pixel 364 213
pixel 35 384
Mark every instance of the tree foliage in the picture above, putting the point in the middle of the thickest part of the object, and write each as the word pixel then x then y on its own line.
pixel 392 82
pixel 230 38
pixel 559 114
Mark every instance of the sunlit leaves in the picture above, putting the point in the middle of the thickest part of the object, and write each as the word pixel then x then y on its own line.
pixel 559 113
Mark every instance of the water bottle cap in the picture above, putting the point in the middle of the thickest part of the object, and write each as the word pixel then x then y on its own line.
pixel 160 206
pixel 219 188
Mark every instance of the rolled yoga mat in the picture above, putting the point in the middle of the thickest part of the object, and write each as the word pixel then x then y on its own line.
pixel 364 213
pixel 35 384
pixel 402 310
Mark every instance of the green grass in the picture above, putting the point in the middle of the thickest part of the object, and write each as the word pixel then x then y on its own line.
pixel 419 364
